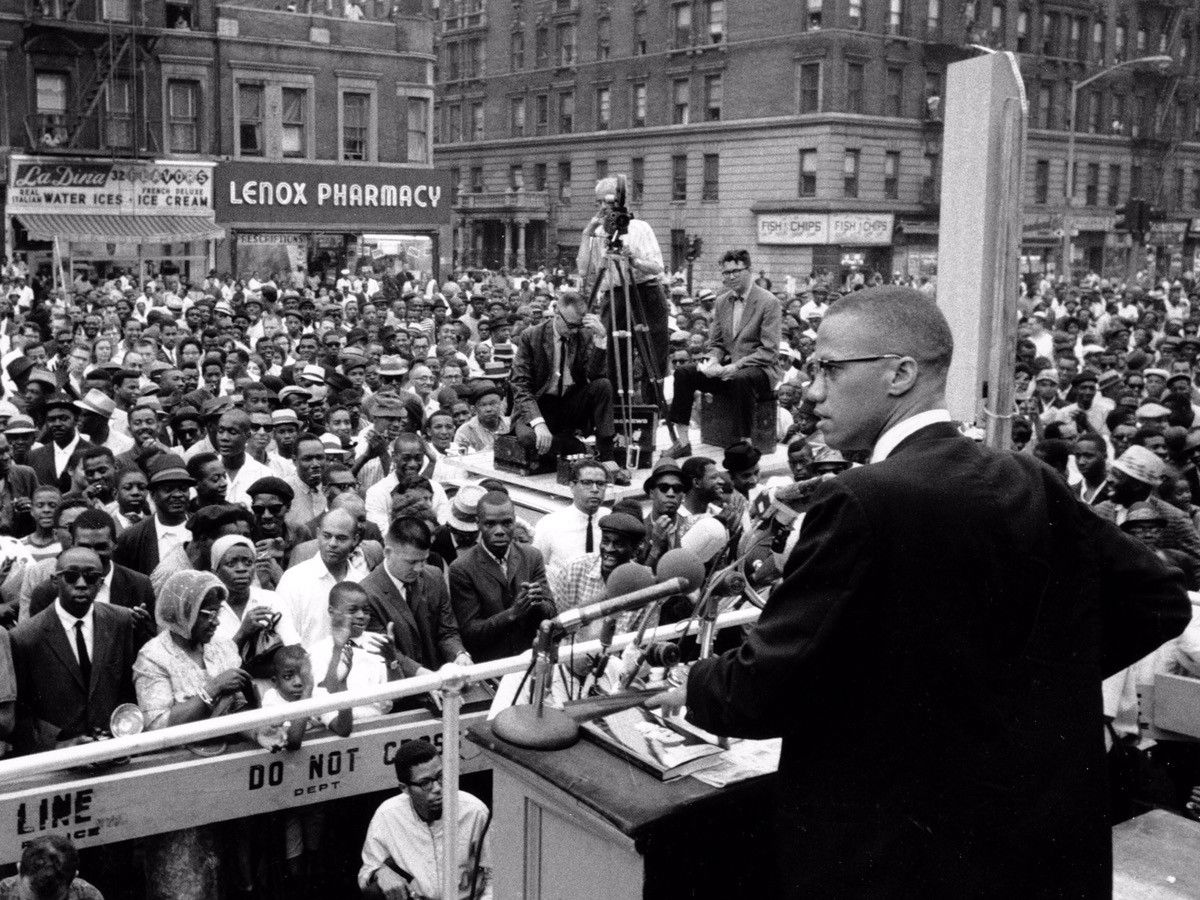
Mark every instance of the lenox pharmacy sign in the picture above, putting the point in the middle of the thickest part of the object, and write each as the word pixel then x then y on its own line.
pixel 330 194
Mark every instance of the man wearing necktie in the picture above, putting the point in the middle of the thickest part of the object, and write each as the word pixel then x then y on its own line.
pixel 559 385
pixel 743 351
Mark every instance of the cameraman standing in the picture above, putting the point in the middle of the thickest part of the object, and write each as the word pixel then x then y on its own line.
pixel 614 230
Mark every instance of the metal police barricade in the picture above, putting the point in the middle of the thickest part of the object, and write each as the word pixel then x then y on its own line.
pixel 98 807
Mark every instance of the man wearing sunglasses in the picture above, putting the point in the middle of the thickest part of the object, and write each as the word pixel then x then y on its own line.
pixel 743 352
pixel 73 660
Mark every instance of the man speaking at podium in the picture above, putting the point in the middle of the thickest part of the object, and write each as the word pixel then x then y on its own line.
pixel 933 655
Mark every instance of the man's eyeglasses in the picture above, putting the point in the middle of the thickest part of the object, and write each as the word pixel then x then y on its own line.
pixel 592 483
pixel 71 576
pixel 729 273
pixel 275 509
pixel 827 367
pixel 427 784
pixel 669 488
pixel 260 426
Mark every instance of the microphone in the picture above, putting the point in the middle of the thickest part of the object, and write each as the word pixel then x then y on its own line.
pixel 681 563
pixel 608 631
pixel 574 619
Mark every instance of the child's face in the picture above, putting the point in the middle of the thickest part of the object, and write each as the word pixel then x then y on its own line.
pixel 354 608
pixel 289 680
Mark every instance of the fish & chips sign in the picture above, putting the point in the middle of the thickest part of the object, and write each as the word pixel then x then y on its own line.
pixel 55 185
pixel 317 194
pixel 854 229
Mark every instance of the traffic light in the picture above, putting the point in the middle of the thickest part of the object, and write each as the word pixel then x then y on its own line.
pixel 1126 215
pixel 1150 215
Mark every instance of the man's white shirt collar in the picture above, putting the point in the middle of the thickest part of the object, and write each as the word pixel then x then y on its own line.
pixel 891 439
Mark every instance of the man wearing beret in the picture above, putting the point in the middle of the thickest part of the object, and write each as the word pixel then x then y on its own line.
pixel 582 580
pixel 1088 401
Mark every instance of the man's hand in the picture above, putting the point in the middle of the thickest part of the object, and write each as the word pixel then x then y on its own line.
pixel 464 659
pixel 597 221
pixel 393 886
pixel 593 325
pixel 660 531
pixel 725 373
pixel 376 444
pixel 542 438
pixel 22 505
pixel 142 619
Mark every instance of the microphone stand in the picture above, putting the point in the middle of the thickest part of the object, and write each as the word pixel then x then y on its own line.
pixel 536 726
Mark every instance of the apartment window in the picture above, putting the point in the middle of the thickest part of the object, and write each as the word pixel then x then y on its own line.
pixel 566 112
pixel 455 175
pixel 681 25
pixel 640 45
pixel 1178 192
pixel 933 94
pixel 1049 34
pixel 1023 31
pixel 1135 181
pixel 808 173
pixel 810 87
pixel 970 13
pixel 854 13
pixel 453 61
pixel 854 87
pixel 454 123
pixel 516 177
pixel 418 129
pixel 714 15
pixel 564 182
pixel 1098 41
pixel 115 10
pixel 541 48
pixel 1114 185
pixel 118 106
pixel 1045 104
pixel 998 22
pixel 891 175
pixel 564 43
pixel 1041 181
pixel 1091 188
pixel 1095 112
pixel 709 189
pixel 933 16
pixel 476 122
pixel 714 95
pixel 1141 40
pixel 895 16
pixel 601 169
pixel 679 177
pixel 356 120
pixel 539 176
pixel 1075 45
pixel 183 116
pixel 476 179
pixel 516 51
pixel 541 113
pixel 680 89
pixel 637 179
pixel 475 57
pixel 51 88
pixel 1117 104
pixel 295 113
pixel 250 120
pixel 603 37
pixel 850 173
pixel 1120 39
pixel 895 92
pixel 813 20
pixel 933 178
pixel 516 117
pixel 639 105
pixel 1196 188
pixel 603 108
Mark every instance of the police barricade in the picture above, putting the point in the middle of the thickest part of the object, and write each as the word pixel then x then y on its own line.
pixel 166 786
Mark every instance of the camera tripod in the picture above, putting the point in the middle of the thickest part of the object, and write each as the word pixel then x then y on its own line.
pixel 626 318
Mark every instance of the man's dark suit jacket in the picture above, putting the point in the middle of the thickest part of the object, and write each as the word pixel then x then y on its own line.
pixel 482 595
pixel 129 589
pixel 41 460
pixel 533 368
pixel 756 341
pixel 53 703
pixel 444 545
pixel 22 482
pixel 932 661
pixel 425 629
pixel 137 546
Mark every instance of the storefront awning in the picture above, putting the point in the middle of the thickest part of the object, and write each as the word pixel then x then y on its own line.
pixel 119 229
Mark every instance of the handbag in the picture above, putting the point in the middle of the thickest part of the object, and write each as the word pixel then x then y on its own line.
pixel 258 654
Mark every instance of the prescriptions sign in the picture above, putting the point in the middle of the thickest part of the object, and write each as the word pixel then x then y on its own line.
pixel 855 229
pixel 365 197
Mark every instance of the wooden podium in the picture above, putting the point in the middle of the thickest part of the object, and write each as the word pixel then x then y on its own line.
pixel 582 823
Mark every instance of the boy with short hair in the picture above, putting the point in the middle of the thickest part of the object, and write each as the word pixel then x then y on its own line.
pixel 353 658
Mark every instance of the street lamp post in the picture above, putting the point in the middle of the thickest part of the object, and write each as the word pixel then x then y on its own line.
pixel 1069 190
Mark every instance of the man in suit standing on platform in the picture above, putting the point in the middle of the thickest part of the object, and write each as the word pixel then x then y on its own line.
pixel 408 596
pixel 498 587
pixel 73 660
pixel 933 656
pixel 743 352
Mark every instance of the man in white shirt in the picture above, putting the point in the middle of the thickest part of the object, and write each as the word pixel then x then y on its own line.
pixel 305 481
pixel 233 430
pixel 304 588
pixel 408 458
pixel 565 534
pixel 402 853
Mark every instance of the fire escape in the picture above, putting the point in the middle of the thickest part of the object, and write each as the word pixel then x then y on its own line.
pixel 109 47
pixel 1157 128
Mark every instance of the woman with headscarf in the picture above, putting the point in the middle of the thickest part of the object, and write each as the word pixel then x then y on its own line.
pixel 248 608
pixel 186 674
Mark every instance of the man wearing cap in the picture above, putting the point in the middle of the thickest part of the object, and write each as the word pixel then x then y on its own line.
pixel 582 580
pixel 479 432
pixel 39 388
pixel 498 586
pixel 211 410
pixel 142 545
pixel 50 461
pixel 1136 476
pixel 95 412
pixel 462 524
pixel 669 521
pixel 1088 401
pixel 21 434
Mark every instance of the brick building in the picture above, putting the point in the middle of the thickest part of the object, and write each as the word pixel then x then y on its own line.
pixel 140 106
pixel 808 132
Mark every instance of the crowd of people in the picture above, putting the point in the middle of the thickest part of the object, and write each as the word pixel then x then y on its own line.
pixel 237 494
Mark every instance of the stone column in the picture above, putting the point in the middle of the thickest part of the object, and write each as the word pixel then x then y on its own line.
pixel 507 226
pixel 521 224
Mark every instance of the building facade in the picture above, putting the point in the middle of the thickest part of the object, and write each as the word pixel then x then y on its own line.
pixel 182 133
pixel 808 131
